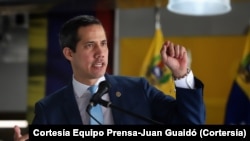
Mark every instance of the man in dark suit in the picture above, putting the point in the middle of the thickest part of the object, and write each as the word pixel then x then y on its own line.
pixel 84 45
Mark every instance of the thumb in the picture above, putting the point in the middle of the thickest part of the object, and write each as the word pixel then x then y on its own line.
pixel 18 136
pixel 17 132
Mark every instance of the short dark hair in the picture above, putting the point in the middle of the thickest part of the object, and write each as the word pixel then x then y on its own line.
pixel 68 36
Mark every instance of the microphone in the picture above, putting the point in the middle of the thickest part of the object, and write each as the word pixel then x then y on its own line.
pixel 96 99
pixel 103 88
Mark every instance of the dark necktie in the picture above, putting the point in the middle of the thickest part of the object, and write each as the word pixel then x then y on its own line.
pixel 95 111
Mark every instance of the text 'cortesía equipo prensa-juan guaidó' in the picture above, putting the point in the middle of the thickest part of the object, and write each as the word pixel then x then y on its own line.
pixel 143 132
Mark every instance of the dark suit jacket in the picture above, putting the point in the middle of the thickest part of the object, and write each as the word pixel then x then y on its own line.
pixel 137 96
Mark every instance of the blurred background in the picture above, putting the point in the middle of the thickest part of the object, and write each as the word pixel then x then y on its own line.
pixel 32 66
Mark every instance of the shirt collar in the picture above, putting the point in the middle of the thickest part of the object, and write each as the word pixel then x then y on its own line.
pixel 80 88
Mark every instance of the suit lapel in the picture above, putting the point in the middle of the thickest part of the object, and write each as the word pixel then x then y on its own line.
pixel 115 95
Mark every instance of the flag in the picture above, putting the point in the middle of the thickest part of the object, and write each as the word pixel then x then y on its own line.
pixel 153 69
pixel 238 105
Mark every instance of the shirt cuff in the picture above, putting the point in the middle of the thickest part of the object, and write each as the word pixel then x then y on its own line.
pixel 186 82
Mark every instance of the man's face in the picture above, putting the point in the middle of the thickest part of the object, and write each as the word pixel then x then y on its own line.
pixel 90 60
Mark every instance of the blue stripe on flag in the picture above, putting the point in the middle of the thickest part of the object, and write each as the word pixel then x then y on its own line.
pixel 238 107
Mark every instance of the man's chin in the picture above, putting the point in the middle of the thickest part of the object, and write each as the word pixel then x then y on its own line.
pixel 98 75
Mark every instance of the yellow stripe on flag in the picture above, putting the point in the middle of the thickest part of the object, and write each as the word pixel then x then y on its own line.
pixel 153 68
pixel 243 76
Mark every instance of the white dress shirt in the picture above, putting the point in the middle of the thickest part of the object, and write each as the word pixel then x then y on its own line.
pixel 83 97
pixel 186 82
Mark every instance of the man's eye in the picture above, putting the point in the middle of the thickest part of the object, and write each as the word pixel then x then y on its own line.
pixel 89 45
pixel 104 44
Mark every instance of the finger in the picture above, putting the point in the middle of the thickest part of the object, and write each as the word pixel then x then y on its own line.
pixel 18 136
pixel 24 137
pixel 170 50
pixel 177 51
pixel 17 132
pixel 182 52
pixel 163 51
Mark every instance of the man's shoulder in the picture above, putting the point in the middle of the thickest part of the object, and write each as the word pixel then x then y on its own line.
pixel 123 78
pixel 55 96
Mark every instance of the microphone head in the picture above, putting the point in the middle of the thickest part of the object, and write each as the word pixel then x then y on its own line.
pixel 104 86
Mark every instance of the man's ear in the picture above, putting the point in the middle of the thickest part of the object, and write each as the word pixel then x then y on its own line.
pixel 67 53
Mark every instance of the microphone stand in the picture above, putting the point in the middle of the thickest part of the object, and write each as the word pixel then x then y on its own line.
pixel 109 104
